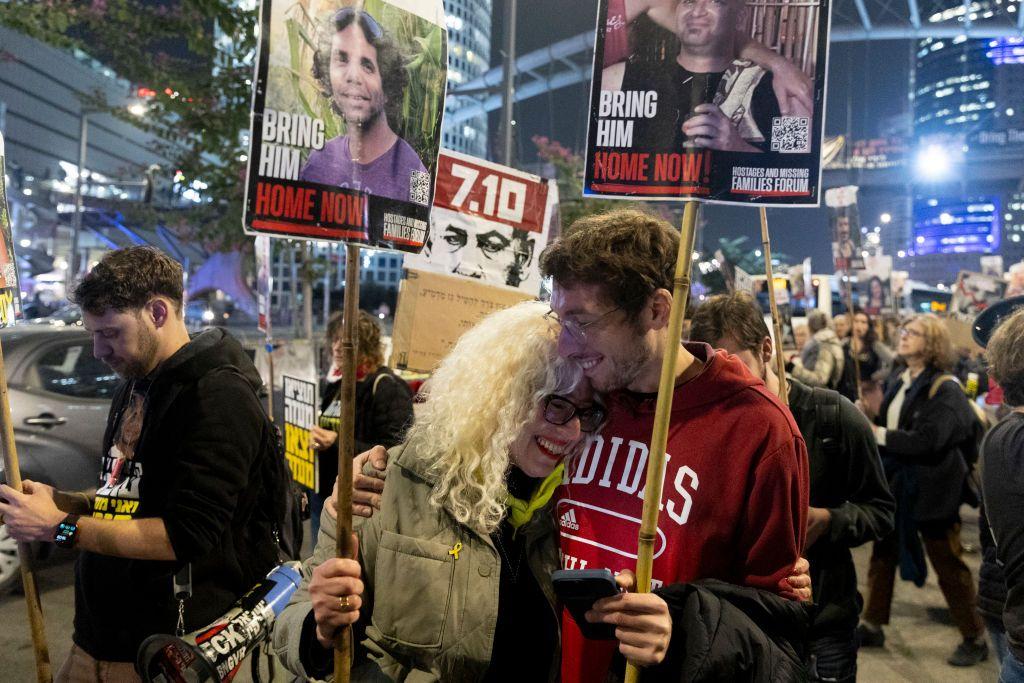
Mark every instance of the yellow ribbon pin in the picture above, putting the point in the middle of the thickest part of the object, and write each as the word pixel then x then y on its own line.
pixel 456 549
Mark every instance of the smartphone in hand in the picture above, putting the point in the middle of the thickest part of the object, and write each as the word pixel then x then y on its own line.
pixel 579 589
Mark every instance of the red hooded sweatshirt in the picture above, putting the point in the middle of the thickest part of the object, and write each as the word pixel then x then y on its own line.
pixel 734 505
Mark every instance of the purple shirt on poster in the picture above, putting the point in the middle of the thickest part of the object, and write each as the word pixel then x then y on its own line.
pixel 388 175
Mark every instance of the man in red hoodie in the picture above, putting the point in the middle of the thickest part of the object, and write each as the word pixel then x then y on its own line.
pixel 736 479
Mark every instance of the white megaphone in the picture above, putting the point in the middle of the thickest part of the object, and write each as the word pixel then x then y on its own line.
pixel 215 652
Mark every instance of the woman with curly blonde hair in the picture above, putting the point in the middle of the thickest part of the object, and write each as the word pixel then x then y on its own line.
pixel 453 576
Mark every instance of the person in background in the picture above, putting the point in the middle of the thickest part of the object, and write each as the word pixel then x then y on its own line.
pixel 891 331
pixel 841 325
pixel 850 499
pixel 801 336
pixel 921 427
pixel 453 578
pixel 1003 485
pixel 820 364
pixel 874 357
pixel 383 404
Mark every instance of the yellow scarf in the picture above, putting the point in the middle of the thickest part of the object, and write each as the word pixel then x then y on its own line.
pixel 521 511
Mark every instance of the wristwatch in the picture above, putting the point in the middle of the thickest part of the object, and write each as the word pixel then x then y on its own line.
pixel 66 532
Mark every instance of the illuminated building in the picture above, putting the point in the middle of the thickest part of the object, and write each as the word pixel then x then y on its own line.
pixel 469 57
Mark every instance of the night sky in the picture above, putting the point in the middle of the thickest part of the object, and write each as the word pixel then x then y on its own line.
pixel 866 98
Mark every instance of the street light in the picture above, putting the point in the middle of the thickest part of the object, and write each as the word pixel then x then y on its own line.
pixel 135 108
pixel 933 163
pixel 886 217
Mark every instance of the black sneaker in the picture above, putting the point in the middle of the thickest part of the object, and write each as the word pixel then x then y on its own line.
pixel 870 636
pixel 969 653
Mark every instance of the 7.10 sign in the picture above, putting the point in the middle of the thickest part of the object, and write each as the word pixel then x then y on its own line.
pixel 472 186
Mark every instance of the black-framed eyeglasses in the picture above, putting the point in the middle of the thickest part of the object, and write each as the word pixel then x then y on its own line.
pixel 577 329
pixel 558 410
pixel 368 22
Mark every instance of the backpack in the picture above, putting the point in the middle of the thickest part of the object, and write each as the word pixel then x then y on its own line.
pixel 826 415
pixel 282 496
pixel 846 384
pixel 970 447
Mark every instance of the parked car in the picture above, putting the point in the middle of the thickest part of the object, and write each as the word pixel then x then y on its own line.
pixel 59 396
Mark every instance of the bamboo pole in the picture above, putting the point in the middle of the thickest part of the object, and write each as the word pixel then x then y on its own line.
pixel 780 362
pixel 849 313
pixel 663 412
pixel 346 444
pixel 28 579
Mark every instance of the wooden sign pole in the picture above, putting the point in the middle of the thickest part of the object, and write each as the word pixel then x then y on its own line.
pixel 346 444
pixel 28 579
pixel 663 412
pixel 780 362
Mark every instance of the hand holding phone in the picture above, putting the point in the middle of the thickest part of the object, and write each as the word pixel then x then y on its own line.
pixel 579 589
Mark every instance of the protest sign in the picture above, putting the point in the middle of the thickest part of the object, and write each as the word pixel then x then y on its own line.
pixel 874 284
pixel 992 265
pixel 433 312
pixel 488 222
pixel 299 418
pixel 339 155
pixel 264 283
pixel 844 221
pixel 678 111
pixel 974 292
pixel 10 294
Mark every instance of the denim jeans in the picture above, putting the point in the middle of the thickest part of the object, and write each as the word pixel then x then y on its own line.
pixel 1013 670
pixel 997 634
pixel 834 657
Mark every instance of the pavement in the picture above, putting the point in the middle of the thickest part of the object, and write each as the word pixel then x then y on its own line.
pixel 918 640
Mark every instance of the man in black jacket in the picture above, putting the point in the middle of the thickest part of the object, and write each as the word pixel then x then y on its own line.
pixel 850 499
pixel 182 476
pixel 1003 485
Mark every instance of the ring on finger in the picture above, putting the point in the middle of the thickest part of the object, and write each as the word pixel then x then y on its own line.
pixel 345 603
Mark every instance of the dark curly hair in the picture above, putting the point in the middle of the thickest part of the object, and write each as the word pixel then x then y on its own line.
pixel 629 253
pixel 126 279
pixel 390 60
pixel 368 342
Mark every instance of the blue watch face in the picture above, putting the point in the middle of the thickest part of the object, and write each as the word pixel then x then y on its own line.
pixel 65 533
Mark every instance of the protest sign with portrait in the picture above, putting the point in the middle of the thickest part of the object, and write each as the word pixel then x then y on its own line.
pixel 489 223
pixel 10 294
pixel 844 221
pixel 719 100
pixel 974 292
pixel 874 284
pixel 346 120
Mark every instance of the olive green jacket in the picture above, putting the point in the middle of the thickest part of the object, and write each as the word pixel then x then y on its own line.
pixel 429 613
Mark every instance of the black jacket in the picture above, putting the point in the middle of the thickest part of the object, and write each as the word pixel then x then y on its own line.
pixel 847 479
pixel 927 447
pixel 724 632
pixel 383 414
pixel 991 579
pixel 196 467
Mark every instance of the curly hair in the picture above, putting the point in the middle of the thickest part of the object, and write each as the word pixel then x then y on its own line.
pixel 938 348
pixel 629 253
pixel 390 60
pixel 1006 358
pixel 368 344
pixel 477 403
pixel 126 279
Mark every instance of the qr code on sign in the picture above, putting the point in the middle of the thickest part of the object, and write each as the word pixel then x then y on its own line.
pixel 791 134
pixel 419 187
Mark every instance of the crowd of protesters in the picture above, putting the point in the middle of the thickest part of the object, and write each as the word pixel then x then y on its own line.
pixel 527 455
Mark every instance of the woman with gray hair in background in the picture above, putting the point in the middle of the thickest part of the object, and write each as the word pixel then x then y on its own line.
pixel 820 364
pixel 453 575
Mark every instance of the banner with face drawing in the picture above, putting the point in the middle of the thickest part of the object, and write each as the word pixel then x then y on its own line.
pixel 489 223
